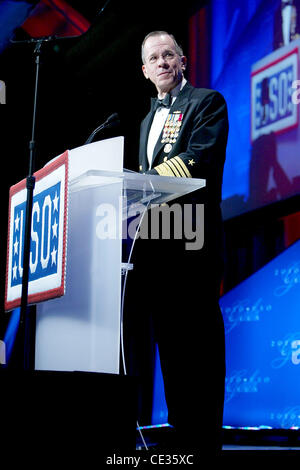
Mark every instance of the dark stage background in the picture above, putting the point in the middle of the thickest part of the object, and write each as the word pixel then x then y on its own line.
pixel 84 79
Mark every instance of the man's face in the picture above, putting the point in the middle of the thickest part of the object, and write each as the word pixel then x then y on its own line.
pixel 163 66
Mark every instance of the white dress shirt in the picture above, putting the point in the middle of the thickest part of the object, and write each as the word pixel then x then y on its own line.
pixel 159 120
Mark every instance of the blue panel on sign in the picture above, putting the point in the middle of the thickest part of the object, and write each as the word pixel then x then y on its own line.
pixel 44 235
pixel 262 325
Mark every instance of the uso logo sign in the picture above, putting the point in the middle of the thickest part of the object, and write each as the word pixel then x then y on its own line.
pixel 48 236
pixel 272 106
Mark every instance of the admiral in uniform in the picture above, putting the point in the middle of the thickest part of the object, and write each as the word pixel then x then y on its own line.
pixel 184 135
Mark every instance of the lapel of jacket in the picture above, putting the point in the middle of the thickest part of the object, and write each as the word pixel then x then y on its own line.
pixel 180 104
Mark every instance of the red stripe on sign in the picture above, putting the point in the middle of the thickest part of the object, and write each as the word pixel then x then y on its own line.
pixel 62 160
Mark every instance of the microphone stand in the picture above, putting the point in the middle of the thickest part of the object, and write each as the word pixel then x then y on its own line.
pixel 30 184
pixel 24 325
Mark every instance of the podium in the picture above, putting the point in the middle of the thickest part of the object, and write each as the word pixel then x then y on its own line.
pixel 81 330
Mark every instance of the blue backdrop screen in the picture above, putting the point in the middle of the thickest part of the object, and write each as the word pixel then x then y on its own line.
pixel 254 53
pixel 262 327
pixel 262 331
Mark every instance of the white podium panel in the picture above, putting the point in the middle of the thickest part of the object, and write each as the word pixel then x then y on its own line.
pixel 81 331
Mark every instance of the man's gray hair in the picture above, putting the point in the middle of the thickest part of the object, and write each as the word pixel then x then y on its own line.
pixel 178 48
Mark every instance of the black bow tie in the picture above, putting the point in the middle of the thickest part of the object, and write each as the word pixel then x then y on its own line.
pixel 166 102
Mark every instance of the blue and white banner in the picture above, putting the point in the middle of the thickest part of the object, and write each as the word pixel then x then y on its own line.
pixel 272 105
pixel 262 328
pixel 47 261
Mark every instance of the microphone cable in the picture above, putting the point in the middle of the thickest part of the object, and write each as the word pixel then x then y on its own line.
pixel 122 311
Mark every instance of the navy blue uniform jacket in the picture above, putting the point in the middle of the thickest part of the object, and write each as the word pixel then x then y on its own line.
pixel 199 150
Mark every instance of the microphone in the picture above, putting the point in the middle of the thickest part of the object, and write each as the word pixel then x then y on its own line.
pixel 111 121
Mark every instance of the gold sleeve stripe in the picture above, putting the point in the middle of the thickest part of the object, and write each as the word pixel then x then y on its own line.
pixel 174 168
pixel 183 166
pixel 174 162
pixel 164 170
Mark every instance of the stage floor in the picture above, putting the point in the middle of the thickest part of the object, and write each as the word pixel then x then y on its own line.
pixel 235 442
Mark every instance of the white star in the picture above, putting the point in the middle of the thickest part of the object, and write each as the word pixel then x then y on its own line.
pixel 20 271
pixel 55 202
pixel 54 229
pixel 17 221
pixel 53 256
pixel 15 271
pixel 16 247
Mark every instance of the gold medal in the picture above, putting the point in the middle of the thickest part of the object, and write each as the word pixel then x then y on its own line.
pixel 167 148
